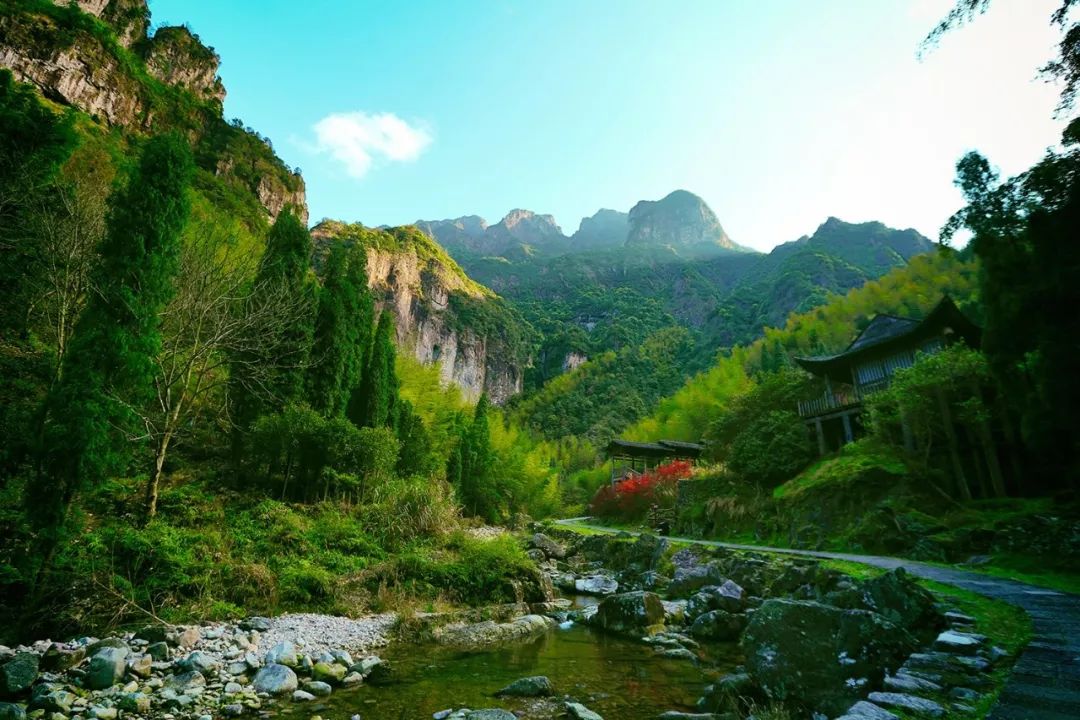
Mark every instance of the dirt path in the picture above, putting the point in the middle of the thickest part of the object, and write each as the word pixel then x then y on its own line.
pixel 1045 682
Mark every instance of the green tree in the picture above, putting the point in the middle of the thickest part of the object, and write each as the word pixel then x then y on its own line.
pixel 415 457
pixel 93 413
pixel 772 448
pixel 258 386
pixel 343 329
pixel 475 485
pixel 374 402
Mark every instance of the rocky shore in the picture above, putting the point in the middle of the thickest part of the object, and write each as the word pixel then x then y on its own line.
pixel 818 642
pixel 204 671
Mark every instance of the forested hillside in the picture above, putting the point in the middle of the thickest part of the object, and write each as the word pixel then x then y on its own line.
pixel 187 383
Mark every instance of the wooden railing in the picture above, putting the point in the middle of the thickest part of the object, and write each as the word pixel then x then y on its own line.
pixel 838 400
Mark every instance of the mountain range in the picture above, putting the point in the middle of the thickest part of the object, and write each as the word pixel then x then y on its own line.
pixel 503 307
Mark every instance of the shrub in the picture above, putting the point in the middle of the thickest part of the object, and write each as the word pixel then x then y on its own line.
pixel 633 498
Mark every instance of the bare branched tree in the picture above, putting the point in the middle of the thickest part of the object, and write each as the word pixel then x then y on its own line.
pixel 216 317
pixel 68 224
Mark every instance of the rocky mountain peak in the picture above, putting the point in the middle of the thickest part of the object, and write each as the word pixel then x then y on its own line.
pixel 681 220
pixel 129 18
pixel 526 222
pixel 177 57
pixel 605 228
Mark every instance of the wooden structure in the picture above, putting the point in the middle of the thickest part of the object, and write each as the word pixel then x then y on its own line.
pixel 630 459
pixel 889 343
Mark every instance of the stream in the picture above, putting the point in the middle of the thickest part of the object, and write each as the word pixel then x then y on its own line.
pixel 614 676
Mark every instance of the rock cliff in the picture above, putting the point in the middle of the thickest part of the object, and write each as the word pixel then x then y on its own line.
pixel 441 315
pixel 96 57
pixel 681 221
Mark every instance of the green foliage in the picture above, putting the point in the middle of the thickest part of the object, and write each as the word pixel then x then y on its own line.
pixel 911 290
pixel 256 384
pixel 929 400
pixel 771 448
pixel 598 399
pixel 1029 275
pixel 473 465
pixel 374 402
pixel 92 411
pixel 342 335
pixel 304 455
pixel 416 456
pixel 481 571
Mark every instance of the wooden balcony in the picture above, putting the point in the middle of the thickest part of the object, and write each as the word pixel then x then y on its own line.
pixel 829 403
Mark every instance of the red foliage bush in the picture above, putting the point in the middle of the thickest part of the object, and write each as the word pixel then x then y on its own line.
pixel 632 498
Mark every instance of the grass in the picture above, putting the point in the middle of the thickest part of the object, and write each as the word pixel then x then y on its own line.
pixel 848 464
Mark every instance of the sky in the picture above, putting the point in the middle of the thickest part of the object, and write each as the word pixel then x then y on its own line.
pixel 779 113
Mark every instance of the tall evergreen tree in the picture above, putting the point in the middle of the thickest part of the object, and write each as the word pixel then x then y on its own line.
pixel 475 486
pixel 374 403
pixel 284 276
pixel 93 411
pixel 415 454
pixel 343 329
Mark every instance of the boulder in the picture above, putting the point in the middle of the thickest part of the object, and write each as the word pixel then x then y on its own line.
pixel 821 656
pixel 918 706
pixel 902 601
pixel 51 699
pixel 18 674
pixel 107 667
pixel 184 680
pixel 490 714
pixel 318 688
pixel 629 613
pixel 549 547
pixel 11 711
pixel 159 651
pixel 577 711
pixel 718 625
pixel 199 662
pixel 960 643
pixel 728 596
pixel 187 637
pixel 536 686
pixel 260 624
pixel 381 673
pixel 863 710
pixel 141 665
pixel 596 585
pixel 329 672
pixel 302 696
pixel 284 653
pixel 275 679
pixel 727 693
pixel 60 658
pixel 153 633
pixel 691 578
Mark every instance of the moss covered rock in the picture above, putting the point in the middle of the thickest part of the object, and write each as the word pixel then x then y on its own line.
pixel 819 656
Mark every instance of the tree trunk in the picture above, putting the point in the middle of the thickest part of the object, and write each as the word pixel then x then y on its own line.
pixel 954 446
pixel 155 476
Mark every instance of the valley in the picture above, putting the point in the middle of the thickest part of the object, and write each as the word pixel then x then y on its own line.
pixel 258 465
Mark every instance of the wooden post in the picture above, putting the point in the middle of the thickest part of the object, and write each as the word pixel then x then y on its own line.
pixel 849 436
pixel 820 437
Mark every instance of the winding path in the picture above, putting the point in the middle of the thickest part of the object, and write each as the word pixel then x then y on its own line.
pixel 1045 682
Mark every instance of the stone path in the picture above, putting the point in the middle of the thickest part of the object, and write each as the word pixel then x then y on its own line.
pixel 1045 682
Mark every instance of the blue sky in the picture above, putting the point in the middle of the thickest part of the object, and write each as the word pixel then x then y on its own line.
pixel 778 112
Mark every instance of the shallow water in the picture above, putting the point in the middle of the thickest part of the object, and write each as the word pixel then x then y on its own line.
pixel 618 678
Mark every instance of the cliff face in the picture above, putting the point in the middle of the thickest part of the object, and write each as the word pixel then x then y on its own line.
pixel 682 221
pixel 176 57
pixel 97 58
pixel 441 316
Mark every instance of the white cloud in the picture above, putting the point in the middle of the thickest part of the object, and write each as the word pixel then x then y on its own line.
pixel 358 139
